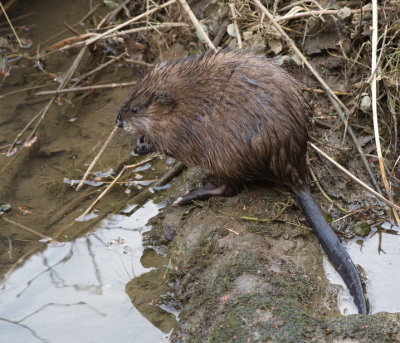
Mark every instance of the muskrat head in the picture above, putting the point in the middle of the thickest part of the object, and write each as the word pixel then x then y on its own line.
pixel 146 112
pixel 141 111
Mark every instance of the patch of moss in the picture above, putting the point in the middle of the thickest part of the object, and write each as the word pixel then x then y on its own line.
pixel 368 329
pixel 289 323
pixel 206 246
pixel 235 326
pixel 276 230
pixel 244 262
pixel 284 297
pixel 295 323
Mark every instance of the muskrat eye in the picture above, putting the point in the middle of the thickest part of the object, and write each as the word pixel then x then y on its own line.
pixel 134 109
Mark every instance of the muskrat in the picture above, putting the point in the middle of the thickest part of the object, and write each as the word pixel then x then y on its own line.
pixel 242 118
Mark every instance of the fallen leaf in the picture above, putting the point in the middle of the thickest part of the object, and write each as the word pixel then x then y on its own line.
pixel 275 45
pixel 24 210
pixel 344 13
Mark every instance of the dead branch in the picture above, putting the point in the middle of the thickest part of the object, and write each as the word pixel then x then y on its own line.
pixel 374 71
pixel 317 13
pixel 64 82
pixel 337 102
pixel 112 60
pixel 24 227
pixel 101 196
pixel 234 17
pixel 200 31
pixel 88 88
pixel 354 178
pixel 11 25
pixel 128 22
pixel 108 140
pixel 78 41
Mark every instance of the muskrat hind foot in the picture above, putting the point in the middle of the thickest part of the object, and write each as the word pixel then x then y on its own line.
pixel 202 193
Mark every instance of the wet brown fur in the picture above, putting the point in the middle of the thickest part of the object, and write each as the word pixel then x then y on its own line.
pixel 242 118
pixel 233 113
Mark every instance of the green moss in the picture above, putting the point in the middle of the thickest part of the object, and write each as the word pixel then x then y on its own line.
pixel 276 230
pixel 240 312
pixel 244 262
pixel 289 324
pixel 368 329
pixel 206 246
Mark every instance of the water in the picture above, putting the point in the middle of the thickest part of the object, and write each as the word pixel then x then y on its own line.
pixel 382 267
pixel 76 292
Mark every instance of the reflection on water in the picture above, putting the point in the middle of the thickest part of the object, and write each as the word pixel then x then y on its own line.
pixel 76 293
pixel 379 256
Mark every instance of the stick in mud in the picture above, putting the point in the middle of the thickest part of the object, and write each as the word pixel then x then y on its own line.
pixel 101 196
pixel 354 178
pixel 108 140
pixel 28 229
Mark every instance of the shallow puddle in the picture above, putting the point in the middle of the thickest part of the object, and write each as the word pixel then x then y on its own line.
pixel 76 292
pixel 379 256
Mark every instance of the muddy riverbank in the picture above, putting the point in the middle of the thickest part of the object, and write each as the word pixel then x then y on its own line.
pixel 247 281
pixel 240 269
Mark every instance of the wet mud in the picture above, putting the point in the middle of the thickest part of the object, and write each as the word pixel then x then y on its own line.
pixel 237 280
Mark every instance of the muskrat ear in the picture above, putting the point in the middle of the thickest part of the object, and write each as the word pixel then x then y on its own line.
pixel 164 99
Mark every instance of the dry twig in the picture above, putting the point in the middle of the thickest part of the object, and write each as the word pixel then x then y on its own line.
pixel 297 3
pixel 81 40
pixel 101 196
pixel 67 43
pixel 108 140
pixel 315 13
pixel 22 90
pixel 112 60
pixel 70 28
pixel 112 14
pixel 234 17
pixel 88 88
pixel 326 196
pixel 337 102
pixel 354 178
pixel 200 31
pixel 128 22
pixel 27 126
pixel 64 82
pixel 374 71
pixel 11 25
pixel 315 90
pixel 10 221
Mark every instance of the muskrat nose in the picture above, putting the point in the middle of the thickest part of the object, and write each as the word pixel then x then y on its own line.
pixel 119 122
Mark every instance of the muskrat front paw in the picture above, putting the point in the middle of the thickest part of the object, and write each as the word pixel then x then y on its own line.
pixel 142 146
